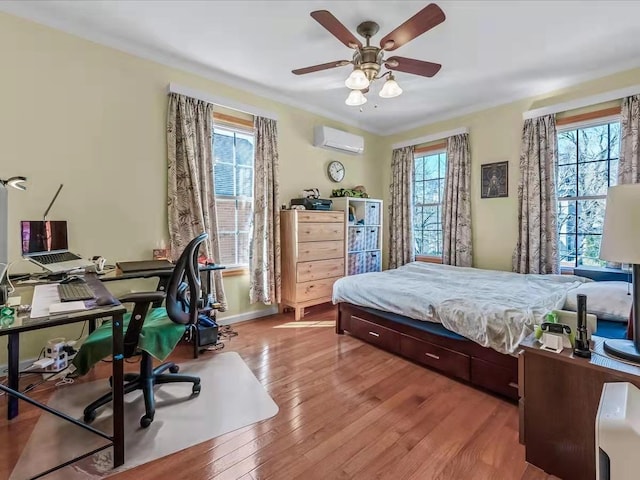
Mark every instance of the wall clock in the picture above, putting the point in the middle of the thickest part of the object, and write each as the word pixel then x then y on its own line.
pixel 336 171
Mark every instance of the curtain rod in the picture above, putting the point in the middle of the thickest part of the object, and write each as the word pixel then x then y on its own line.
pixel 431 138
pixel 221 101
pixel 582 102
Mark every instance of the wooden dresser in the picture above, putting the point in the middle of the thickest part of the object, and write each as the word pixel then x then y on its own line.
pixel 312 256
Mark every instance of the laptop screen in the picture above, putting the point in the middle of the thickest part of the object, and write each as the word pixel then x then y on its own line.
pixel 40 236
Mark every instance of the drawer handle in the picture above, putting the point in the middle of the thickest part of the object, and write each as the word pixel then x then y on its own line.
pixel 513 384
pixel 431 355
pixel 374 334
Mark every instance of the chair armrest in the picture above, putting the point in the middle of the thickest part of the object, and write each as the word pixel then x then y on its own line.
pixel 139 297
pixel 133 275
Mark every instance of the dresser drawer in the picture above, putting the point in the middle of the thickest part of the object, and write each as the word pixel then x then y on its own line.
pixel 495 378
pixel 453 363
pixel 316 232
pixel 372 333
pixel 306 216
pixel 307 271
pixel 308 251
pixel 314 289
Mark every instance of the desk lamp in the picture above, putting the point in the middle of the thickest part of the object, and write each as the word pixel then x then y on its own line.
pixel 15 182
pixel 621 243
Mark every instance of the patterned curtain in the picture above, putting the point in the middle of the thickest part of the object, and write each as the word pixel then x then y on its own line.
pixel 456 214
pixel 537 247
pixel 265 240
pixel 401 247
pixel 629 168
pixel 191 194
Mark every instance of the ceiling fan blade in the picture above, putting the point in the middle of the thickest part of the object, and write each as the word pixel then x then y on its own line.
pixel 337 29
pixel 323 66
pixel 424 20
pixel 410 65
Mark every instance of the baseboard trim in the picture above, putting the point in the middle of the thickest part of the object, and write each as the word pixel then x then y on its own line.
pixel 240 317
pixel 245 317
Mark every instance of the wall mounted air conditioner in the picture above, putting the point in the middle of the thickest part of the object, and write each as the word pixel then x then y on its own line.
pixel 332 139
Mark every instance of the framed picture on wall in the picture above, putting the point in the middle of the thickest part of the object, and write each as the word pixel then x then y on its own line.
pixel 495 180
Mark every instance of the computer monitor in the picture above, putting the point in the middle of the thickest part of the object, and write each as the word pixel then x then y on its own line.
pixel 43 236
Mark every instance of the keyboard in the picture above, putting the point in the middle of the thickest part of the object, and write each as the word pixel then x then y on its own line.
pixel 71 292
pixel 56 258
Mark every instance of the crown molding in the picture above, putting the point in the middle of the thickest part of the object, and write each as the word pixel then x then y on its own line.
pixel 34 12
pixel 478 107
pixel 31 12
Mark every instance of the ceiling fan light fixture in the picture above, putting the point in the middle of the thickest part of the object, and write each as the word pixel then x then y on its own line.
pixel 355 98
pixel 357 80
pixel 390 89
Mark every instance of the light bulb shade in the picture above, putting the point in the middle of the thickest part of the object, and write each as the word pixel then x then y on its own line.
pixel 622 225
pixel 390 88
pixel 355 99
pixel 15 182
pixel 357 80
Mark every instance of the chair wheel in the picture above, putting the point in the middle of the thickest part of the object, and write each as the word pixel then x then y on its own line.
pixel 174 369
pixel 145 421
pixel 89 416
pixel 196 389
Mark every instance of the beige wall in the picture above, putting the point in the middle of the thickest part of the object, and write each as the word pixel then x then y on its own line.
pixel 495 136
pixel 93 118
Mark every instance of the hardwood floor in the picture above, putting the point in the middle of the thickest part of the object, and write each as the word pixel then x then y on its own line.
pixel 375 416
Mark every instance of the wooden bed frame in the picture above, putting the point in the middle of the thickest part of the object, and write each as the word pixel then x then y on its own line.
pixel 461 359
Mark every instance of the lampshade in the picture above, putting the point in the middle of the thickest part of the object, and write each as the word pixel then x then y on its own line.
pixel 621 233
pixel 355 98
pixel 390 88
pixel 357 80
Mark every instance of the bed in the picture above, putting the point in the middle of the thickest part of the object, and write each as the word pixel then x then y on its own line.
pixel 464 322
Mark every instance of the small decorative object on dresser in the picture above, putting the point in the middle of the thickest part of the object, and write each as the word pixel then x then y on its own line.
pixel 495 180
pixel 312 257
pixel 363 241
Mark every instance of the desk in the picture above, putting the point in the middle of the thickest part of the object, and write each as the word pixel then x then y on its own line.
pixel 23 323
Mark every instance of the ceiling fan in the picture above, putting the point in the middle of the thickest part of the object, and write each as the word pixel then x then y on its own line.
pixel 367 60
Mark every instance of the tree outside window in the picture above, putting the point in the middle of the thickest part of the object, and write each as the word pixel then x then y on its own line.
pixel 428 192
pixel 587 167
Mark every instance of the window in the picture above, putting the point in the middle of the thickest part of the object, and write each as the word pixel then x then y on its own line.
pixel 233 170
pixel 428 191
pixel 587 166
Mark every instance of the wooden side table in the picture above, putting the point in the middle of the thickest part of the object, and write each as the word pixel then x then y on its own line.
pixel 559 404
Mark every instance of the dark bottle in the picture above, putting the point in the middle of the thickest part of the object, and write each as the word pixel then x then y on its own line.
pixel 581 343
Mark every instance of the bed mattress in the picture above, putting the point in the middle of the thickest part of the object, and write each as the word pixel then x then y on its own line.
pixel 495 309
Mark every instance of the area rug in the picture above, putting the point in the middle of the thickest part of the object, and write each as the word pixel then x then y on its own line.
pixel 231 398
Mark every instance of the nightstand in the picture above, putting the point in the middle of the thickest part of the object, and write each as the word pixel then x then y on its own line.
pixel 559 404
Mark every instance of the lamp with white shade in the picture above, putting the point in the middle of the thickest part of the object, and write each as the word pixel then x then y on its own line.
pixel 621 243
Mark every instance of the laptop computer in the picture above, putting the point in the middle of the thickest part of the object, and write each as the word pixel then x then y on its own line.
pixel 45 244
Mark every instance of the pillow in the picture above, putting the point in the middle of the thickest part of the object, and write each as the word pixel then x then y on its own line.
pixel 606 300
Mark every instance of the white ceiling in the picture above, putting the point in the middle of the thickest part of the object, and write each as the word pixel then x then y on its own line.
pixel 492 52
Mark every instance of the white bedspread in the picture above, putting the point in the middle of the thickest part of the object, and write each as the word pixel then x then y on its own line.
pixel 495 309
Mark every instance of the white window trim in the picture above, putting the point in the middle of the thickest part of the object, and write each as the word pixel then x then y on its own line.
pixel 594 122
pixel 427 154
pixel 244 131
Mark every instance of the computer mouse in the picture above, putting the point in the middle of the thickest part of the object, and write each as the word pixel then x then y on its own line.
pixel 103 301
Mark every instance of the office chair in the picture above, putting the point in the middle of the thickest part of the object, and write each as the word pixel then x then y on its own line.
pixel 157 331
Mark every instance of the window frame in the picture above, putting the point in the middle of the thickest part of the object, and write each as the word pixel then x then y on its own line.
pixel 589 120
pixel 428 151
pixel 237 128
